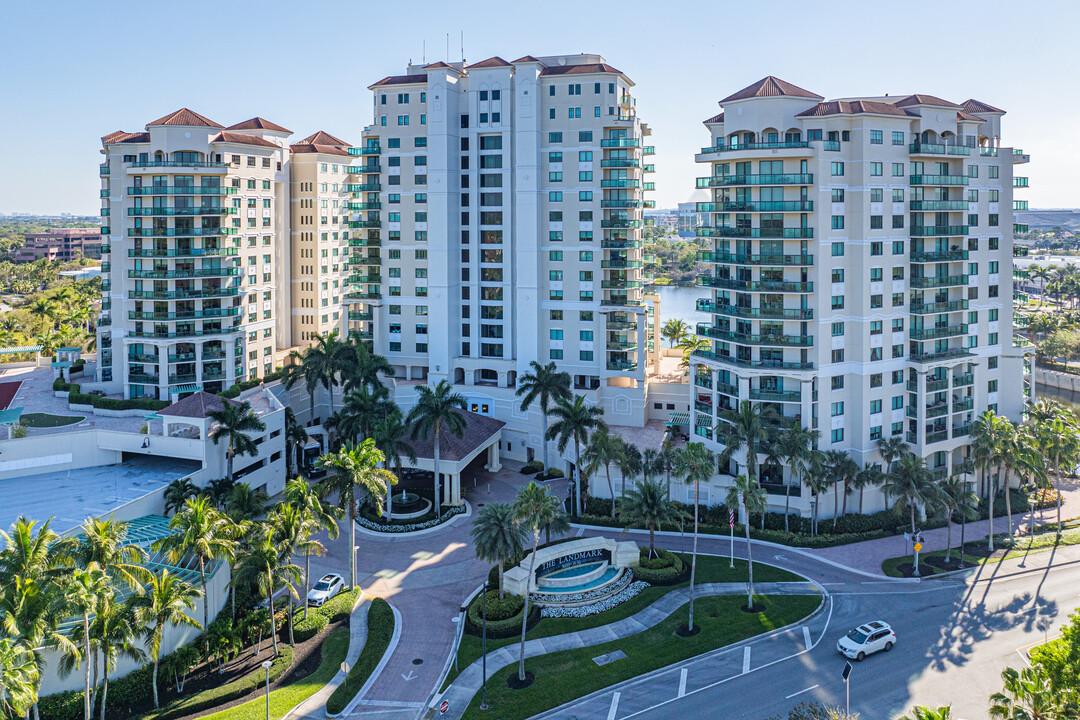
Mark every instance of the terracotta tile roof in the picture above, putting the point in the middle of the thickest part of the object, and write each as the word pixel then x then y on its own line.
pixel 185 118
pixel 401 80
pixel 258 123
pixel 112 136
pixel 970 117
pixel 439 64
pixel 125 137
pixel 197 405
pixel 242 139
pixel 312 148
pixel 771 86
pixel 585 69
pixel 324 138
pixel 924 100
pixel 855 107
pixel 526 59
pixel 977 106
pixel 478 429
pixel 490 62
pixel 715 119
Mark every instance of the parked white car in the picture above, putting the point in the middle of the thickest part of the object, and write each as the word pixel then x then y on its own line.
pixel 327 587
pixel 866 640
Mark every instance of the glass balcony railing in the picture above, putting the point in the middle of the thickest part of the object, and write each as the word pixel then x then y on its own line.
pixel 363 187
pixel 775 339
pixel 939 282
pixel 963 405
pixel 106 230
pixel 212 355
pixel 620 224
pixel 137 357
pixel 186 332
pixel 183 294
pixel 788 145
pixel 365 242
pixel 779 286
pixel 620 264
pixel 934 356
pixel 179 211
pixel 363 296
pixel 768 313
pixel 648 150
pixel 620 284
pixel 938 307
pixel 181 190
pixel 182 252
pixel 612 184
pixel 361 316
pixel 189 315
pixel 938 256
pixel 939 205
pixel 621 203
pixel 937 230
pixel 182 357
pixel 183 274
pixel 769 364
pixel 937 332
pixel 371 224
pixel 1020 182
pixel 622 365
pixel 791 396
pixel 949 180
pixel 988 151
pixel 365 279
pixel 737 232
pixel 361 169
pixel 770 206
pixel 703 381
pixel 620 163
pixel 744 259
pixel 963 380
pixel 620 244
pixel 178 163
pixel 143 379
pixel 730 180
pixel 938 149
pixel 365 206
pixel 961 430
pixel 365 150
pixel 181 232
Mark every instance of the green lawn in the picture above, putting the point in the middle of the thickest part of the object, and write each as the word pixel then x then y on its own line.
pixel 710 569
pixel 334 649
pixel 45 420
pixel 380 624
pixel 563 676
pixel 975 550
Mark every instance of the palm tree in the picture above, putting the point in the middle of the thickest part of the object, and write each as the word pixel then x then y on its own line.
pixel 292 530
pixel 747 493
pixel 844 470
pixel 308 369
pixel 795 445
pixel 921 712
pixel 630 464
pixel 574 420
pixel 1029 695
pixel 295 437
pixel 233 423
pixel 1058 438
pixel 603 450
pixel 437 408
pixel 362 409
pixel 167 601
pixel 219 490
pixel 534 508
pixel 912 483
pixel 201 531
pixel 648 504
pixel 305 497
pixel 361 367
pixel 354 466
pixel 871 475
pixel 989 434
pixel 44 310
pixel 650 463
pixel 264 566
pixel 675 331
pixel 1031 466
pixel 177 493
pixel 696 464
pixel 957 499
pixel 497 536
pixel 116 627
pixel 891 449
pixel 82 588
pixel 19 678
pixel 103 542
pixel 389 436
pixel 546 384
pixel 690 345
pixel 245 503
pixel 334 359
pixel 1009 462
pixel 666 461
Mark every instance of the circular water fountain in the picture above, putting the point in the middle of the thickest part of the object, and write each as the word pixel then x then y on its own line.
pixel 406 505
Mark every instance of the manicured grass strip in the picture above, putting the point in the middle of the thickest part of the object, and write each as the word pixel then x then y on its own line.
pixel 380 624
pixel 1021 546
pixel 563 676
pixel 45 420
pixel 710 569
pixel 334 649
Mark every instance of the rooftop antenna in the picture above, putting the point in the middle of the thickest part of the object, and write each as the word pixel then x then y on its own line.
pixel 448 47
pixel 423 52
pixel 462 48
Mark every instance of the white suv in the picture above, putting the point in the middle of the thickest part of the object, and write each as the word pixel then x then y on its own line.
pixel 866 640
pixel 327 587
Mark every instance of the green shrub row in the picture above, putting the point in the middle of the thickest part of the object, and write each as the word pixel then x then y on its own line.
pixel 339 608
pixel 509 627
pixel 666 569
pixel 497 608
pixel 240 387
pixel 306 629
pixel 532 468
pixel 380 628
pixel 76 397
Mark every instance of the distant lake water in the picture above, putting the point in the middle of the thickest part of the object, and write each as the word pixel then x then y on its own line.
pixel 679 302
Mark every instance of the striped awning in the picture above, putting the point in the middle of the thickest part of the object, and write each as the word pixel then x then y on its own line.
pixel 185 389
pixel 21 349
pixel 678 418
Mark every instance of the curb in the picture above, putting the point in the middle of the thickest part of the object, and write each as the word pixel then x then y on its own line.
pixel 436 693
pixel 416 533
pixel 378 668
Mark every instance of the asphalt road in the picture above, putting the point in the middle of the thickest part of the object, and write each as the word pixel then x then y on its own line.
pixel 954 638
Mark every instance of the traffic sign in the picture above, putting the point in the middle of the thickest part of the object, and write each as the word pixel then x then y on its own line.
pixel 918 546
pixel 907 536
pixel 847 670
pixel 444 706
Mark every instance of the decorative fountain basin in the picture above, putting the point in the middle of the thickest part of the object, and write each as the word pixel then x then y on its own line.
pixel 406 505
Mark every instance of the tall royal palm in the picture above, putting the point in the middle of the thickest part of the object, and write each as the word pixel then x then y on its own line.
pixel 603 450
pixel 744 429
pixel 295 437
pixel 166 601
pixel 747 493
pixel 544 383
pixel 534 508
pixel 232 424
pixel 389 436
pixel 912 483
pixel 354 467
pixel 82 588
pixel 20 676
pixel 989 435
pixel 891 449
pixel 957 500
pixel 437 409
pixel 361 410
pixel 199 531
pixel 648 503
pixel 497 536
pixel 795 445
pixel 1058 438
pixel 116 628
pixel 574 420
pixel 363 367
pixel 307 499
pixel 292 530
pixel 266 568
pixel 305 368
pixel 696 465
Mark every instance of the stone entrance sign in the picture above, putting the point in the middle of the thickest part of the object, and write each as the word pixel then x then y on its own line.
pixel 599 551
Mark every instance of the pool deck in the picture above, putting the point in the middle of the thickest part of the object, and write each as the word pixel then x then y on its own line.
pixel 36 395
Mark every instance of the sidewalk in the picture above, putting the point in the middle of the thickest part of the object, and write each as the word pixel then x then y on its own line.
pixel 467 684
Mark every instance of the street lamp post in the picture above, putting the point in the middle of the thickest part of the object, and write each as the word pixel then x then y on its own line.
pixel 813 518
pixel 483 651
pixel 266 664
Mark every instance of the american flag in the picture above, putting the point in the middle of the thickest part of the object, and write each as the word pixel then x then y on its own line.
pixel 731 518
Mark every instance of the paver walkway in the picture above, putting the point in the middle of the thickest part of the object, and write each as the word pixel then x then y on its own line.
pixel 315 706
pixel 468 683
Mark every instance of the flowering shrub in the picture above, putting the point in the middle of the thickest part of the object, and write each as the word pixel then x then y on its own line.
pixel 391 528
pixel 1044 498
pixel 598 607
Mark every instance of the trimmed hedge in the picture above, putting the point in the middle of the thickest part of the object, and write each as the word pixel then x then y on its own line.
pixel 497 608
pixel 509 627
pixel 532 468
pixel 77 397
pixel 309 628
pixel 666 569
pixel 380 623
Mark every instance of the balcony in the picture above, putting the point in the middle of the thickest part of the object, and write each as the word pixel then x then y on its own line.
pixel 186 332
pixel 621 284
pixel 756 207
pixel 106 230
pixel 988 151
pixel 106 248
pixel 937 436
pixel 1019 156
pixel 963 405
pixel 831 145
pixel 939 282
pixel 791 396
pixel 180 232
pixel 179 212
pixel 620 163
pixel 962 380
pixel 183 274
pixel 1019 228
pixel 365 206
pixel 931 385
pixel 769 339
pixel 182 379
pixel 183 294
pixel 365 242
pixel 775 286
pixel 143 379
pixel 946 180
pixel 361 316
pixel 621 301
pixel 182 252
pixel 742 259
pixel 178 163
pixel 727 389
pixel 648 150
pixel 371 224
pixel 103 169
pixel 620 224
pixel 733 180
pixel 790 145
pixel 736 232
pixel 363 296
pixel 188 315
pixel 949 354
pixel 961 430
pixel 181 190
pixel 703 407
pixel 1020 204
pixel 938 149
pixel 364 260
pixel 621 203
pixel 938 205
pixel 182 357
pixel 622 365
pixel 365 150
pixel 769 364
pixel 361 169
pixel 620 264
pixel 703 381
pixel 212 355
pixel 612 184
pixel 768 313
pixel 104 193
pixel 939 307
pixel 1020 182
pixel 136 357
pixel 620 344
pixel 363 187
pixel 620 244
pixel 934 333
pixel 357 279
pixel 937 230
pixel 938 256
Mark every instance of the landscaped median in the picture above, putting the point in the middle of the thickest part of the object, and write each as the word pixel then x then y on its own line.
pixel 380 629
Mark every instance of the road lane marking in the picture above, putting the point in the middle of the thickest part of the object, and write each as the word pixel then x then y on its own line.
pixel 800 692
pixel 682 682
pixel 614 706
pixel 580 531
pixel 746 660
pixel 806 637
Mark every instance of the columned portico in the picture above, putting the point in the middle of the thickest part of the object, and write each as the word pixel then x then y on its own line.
pixel 482 434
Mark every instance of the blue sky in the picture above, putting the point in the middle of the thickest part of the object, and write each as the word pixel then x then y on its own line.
pixel 74 71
